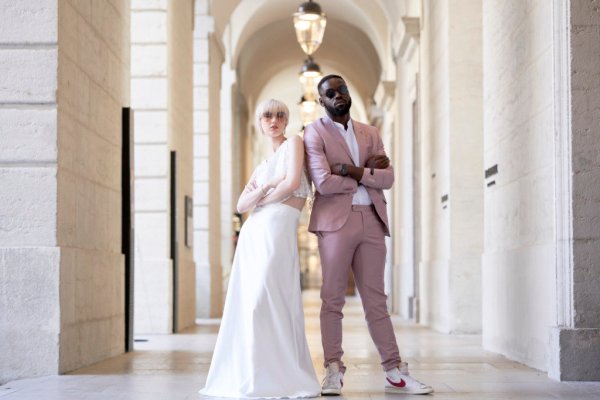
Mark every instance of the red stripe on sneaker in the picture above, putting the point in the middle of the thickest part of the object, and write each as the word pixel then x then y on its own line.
pixel 400 384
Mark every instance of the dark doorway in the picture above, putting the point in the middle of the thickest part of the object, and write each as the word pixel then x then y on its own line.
pixel 174 240
pixel 127 228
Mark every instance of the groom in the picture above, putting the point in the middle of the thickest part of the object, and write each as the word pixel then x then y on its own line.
pixel 349 168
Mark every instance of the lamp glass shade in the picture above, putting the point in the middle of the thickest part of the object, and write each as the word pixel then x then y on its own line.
pixel 309 84
pixel 308 110
pixel 310 74
pixel 310 29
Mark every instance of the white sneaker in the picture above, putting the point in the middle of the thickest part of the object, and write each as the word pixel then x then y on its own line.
pixel 333 381
pixel 398 380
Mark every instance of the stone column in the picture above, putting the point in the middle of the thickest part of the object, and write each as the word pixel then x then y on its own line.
pixel 208 58
pixel 162 101
pixel 382 116
pixel 452 161
pixel 229 164
pixel 29 252
pixel 149 99
pixel 575 341
pixel 181 140
pixel 64 78
pixel 407 186
pixel 465 190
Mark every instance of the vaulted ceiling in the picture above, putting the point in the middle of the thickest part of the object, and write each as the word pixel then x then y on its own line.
pixel 260 42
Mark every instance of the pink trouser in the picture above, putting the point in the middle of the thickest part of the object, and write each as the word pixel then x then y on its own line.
pixel 360 245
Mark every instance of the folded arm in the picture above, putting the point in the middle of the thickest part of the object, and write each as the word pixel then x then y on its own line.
pixel 251 195
pixel 287 184
pixel 376 175
pixel 319 169
pixel 377 172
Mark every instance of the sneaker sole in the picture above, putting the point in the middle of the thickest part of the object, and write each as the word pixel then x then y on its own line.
pixel 388 389
pixel 331 392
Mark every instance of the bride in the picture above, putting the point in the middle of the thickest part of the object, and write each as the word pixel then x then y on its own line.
pixel 261 350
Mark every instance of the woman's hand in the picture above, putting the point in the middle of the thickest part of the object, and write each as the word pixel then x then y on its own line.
pixel 251 186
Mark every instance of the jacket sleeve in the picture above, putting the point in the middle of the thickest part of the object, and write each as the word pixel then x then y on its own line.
pixel 318 167
pixel 381 178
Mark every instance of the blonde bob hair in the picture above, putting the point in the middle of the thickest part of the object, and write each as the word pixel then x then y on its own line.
pixel 273 106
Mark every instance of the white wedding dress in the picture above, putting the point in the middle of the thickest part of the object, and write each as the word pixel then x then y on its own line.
pixel 261 350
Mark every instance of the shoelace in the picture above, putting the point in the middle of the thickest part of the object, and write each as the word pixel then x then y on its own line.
pixel 331 379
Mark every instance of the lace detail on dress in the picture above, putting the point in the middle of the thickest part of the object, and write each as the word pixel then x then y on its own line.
pixel 305 188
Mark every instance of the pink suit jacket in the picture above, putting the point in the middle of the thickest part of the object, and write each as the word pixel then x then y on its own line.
pixel 324 147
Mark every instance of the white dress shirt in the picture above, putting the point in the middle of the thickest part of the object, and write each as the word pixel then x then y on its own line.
pixel 361 197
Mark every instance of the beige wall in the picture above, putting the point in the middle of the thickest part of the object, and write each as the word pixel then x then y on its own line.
pixel 93 76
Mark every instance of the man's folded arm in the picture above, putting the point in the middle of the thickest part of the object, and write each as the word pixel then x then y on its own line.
pixel 319 169
pixel 381 178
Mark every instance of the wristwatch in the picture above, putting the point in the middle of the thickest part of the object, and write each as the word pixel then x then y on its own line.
pixel 344 170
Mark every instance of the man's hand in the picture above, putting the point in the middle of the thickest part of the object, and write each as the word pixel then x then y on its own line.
pixel 378 161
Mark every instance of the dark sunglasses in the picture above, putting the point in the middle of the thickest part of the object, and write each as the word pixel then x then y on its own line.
pixel 279 115
pixel 330 93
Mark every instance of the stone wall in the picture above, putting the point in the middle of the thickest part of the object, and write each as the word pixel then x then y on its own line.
pixel 29 254
pixel 575 340
pixel 519 295
pixel 65 80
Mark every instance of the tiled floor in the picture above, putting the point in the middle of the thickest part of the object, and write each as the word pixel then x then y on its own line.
pixel 175 366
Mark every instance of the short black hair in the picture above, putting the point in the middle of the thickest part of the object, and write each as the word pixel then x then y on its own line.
pixel 325 79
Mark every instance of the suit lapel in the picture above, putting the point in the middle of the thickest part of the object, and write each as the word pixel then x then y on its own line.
pixel 332 131
pixel 362 140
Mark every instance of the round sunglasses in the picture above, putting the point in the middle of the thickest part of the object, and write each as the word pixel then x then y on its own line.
pixel 330 93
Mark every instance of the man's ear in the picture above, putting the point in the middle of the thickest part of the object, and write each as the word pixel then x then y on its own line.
pixel 321 102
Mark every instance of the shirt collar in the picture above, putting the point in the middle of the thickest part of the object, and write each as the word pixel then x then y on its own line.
pixel 341 126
